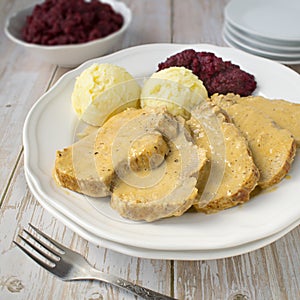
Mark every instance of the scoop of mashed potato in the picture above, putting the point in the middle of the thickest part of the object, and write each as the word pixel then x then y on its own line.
pixel 103 90
pixel 176 88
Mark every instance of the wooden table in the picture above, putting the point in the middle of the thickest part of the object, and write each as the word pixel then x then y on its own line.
pixel 272 272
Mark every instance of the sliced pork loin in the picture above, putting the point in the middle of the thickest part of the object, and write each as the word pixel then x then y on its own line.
pixel 286 114
pixel 273 148
pixel 87 166
pixel 169 189
pixel 230 174
pixel 118 142
pixel 75 169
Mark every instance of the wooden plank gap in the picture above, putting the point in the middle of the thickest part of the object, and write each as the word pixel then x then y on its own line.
pixel 172 278
pixel 52 78
pixel 11 176
pixel 172 20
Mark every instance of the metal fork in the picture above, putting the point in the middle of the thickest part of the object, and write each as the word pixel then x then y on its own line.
pixel 69 265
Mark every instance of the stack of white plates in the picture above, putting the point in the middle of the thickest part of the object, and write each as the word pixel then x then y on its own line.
pixel 269 28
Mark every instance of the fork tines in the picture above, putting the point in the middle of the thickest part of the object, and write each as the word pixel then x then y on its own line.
pixel 46 251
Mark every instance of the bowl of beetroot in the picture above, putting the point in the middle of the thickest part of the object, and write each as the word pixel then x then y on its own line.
pixel 67 33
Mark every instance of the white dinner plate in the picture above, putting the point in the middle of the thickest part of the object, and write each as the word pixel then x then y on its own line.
pixel 51 123
pixel 274 20
pixel 159 254
pixel 235 42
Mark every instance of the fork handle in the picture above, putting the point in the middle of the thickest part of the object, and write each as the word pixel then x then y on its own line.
pixel 133 288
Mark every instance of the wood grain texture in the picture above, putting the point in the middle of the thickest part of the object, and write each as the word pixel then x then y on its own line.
pixel 272 272
pixel 23 79
pixel 263 274
pixel 20 278
pixel 151 22
pixel 198 21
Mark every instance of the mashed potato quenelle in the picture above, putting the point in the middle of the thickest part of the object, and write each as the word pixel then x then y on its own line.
pixel 103 90
pixel 176 88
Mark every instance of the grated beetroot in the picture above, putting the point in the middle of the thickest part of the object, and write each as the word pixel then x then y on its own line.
pixel 217 75
pixel 60 22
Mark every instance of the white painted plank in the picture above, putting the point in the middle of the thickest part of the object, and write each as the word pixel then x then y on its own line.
pixel 23 79
pixel 198 21
pixel 268 273
pixel 151 22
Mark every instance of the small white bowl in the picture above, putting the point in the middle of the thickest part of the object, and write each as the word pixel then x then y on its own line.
pixel 74 54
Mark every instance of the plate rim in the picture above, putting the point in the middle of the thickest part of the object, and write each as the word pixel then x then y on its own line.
pixel 161 254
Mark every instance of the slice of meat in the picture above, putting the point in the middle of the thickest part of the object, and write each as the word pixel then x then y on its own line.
pixel 117 136
pixel 273 148
pixel 88 167
pixel 75 169
pixel 228 155
pixel 168 190
pixel 284 113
